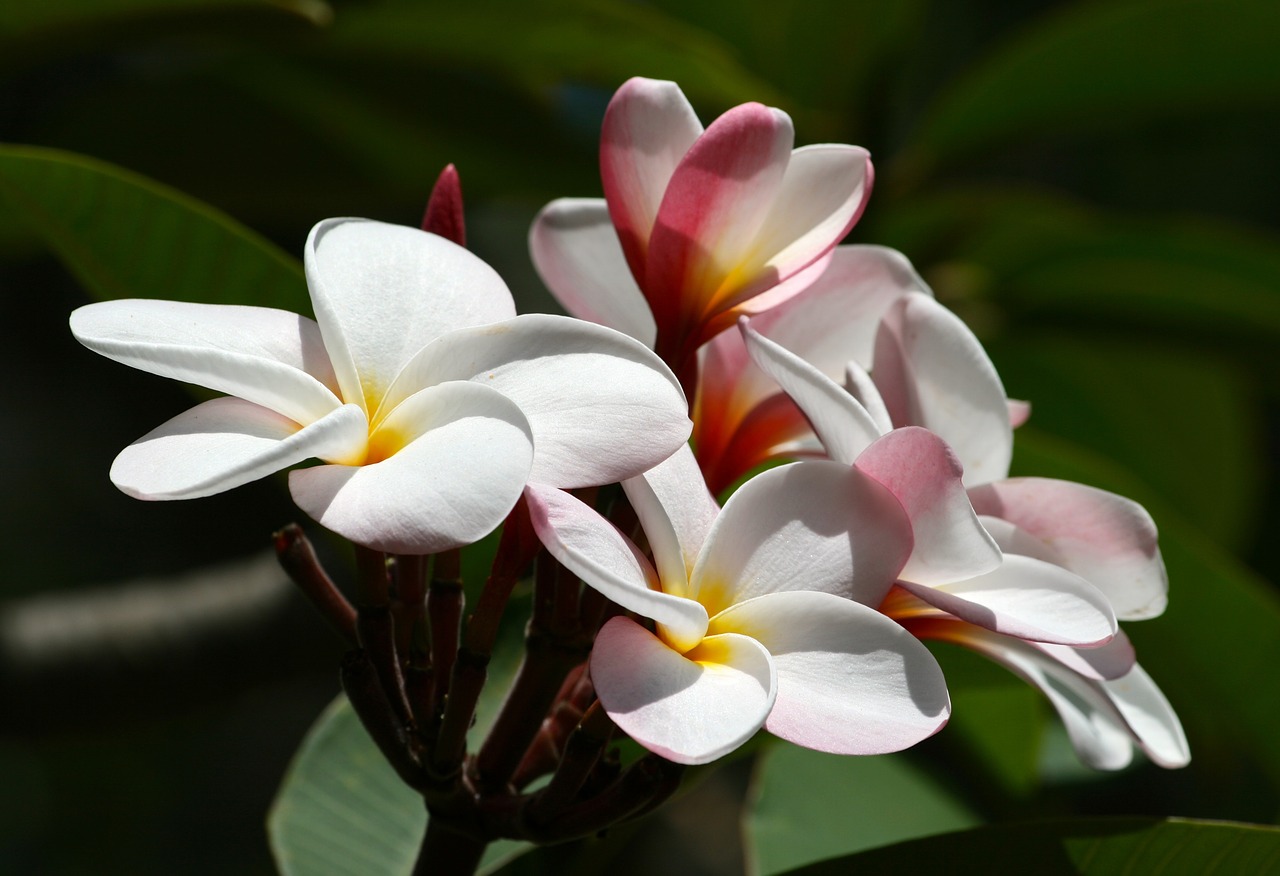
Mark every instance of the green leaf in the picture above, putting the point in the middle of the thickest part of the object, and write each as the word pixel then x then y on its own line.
pixel 126 236
pixel 343 811
pixel 1105 65
pixel 1079 847
pixel 808 805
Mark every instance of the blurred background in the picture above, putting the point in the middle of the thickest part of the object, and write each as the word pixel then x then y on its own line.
pixel 1091 185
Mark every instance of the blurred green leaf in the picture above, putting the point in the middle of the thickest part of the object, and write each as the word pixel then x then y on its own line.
pixel 1042 256
pixel 125 236
pixel 343 811
pixel 1183 423
pixel 808 805
pixel 22 19
pixel 539 46
pixel 1075 847
pixel 1103 65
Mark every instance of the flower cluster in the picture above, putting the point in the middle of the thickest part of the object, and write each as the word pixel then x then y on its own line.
pixel 867 433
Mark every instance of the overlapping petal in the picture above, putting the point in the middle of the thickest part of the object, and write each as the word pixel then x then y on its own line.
pixel 921 471
pixel 576 252
pixel 690 708
pixel 1029 599
pixel 269 357
pixel 447 469
pixel 593 549
pixel 381 292
pixel 1108 540
pixel 588 392
pixel 850 681
pixel 648 127
pixel 933 372
pixel 814 525
pixel 677 512
pixel 226 442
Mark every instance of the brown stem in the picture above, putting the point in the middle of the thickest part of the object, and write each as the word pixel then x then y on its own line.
pixel 298 559
pixel 448 851
pixel 364 690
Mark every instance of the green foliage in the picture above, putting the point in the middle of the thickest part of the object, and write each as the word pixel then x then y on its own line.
pixel 1077 848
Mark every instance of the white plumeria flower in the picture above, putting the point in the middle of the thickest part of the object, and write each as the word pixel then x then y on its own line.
pixel 760 612
pixel 930 371
pixel 429 401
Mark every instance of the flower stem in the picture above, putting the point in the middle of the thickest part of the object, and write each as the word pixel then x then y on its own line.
pixel 299 561
pixel 447 851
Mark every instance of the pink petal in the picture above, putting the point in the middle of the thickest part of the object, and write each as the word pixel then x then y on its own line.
pixel 850 681
pixel 718 198
pixel 459 455
pixel 576 251
pixel 1108 540
pixel 601 405
pixel 593 549
pixel 933 372
pixel 1027 599
pixel 814 525
pixel 690 708
pixel 226 442
pixel 648 127
pixel 1109 661
pixel 922 472
pixel 382 292
pixel 842 424
pixel 269 357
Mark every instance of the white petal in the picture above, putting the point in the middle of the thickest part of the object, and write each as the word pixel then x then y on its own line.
pixel 461 456
pixel 932 372
pixel 813 525
pixel 1095 726
pixel 601 405
pixel 1108 540
pixel 269 357
pixel 577 254
pixel 676 511
pixel 226 442
pixel 689 708
pixel 820 197
pixel 1029 599
pixel 382 292
pixel 923 473
pixel 593 549
pixel 1103 663
pixel 858 383
pixel 1150 717
pixel 842 424
pixel 850 681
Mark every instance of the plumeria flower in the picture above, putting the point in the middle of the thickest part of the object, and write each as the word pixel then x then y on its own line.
pixel 696 226
pixel 1054 535
pixel 428 401
pixel 761 612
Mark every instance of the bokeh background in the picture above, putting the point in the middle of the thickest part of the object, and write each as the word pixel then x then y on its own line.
pixel 1091 185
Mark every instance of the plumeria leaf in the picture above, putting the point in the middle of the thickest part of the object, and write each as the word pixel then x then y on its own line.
pixel 123 235
pixel 343 811
pixel 1079 847
pixel 1097 66
pixel 807 806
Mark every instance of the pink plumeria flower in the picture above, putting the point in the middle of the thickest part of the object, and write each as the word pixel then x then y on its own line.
pixel 696 226
pixel 762 612
pixel 429 401
pixel 1054 535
